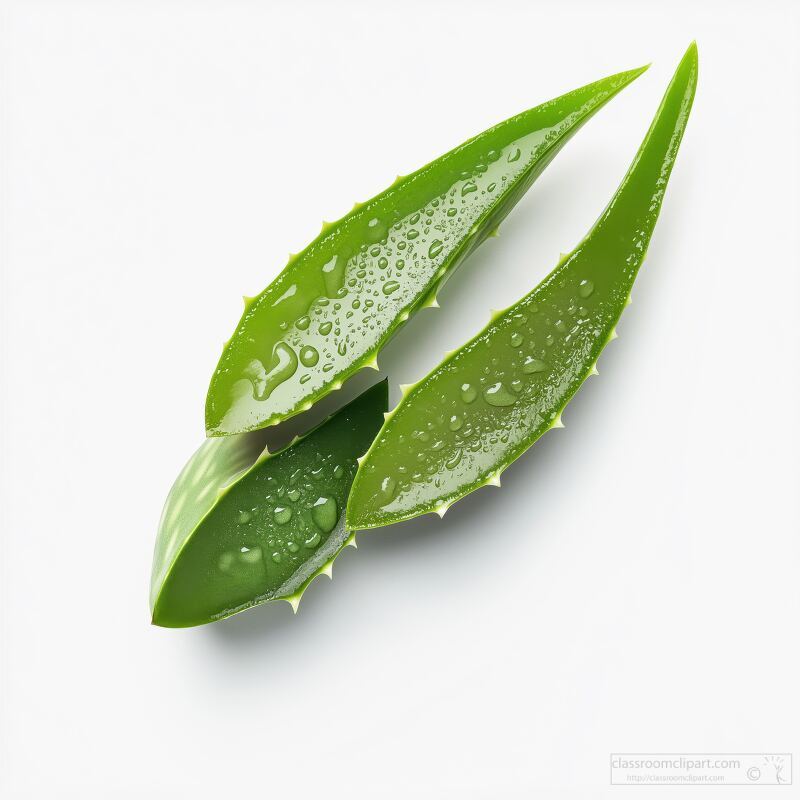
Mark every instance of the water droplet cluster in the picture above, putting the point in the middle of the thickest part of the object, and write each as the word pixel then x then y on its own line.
pixel 488 395
pixel 329 321
pixel 277 524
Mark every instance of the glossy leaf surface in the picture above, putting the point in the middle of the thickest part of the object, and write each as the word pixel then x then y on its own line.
pixel 242 526
pixel 336 303
pixel 462 425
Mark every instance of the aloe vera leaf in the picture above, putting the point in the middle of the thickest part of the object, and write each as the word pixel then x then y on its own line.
pixel 242 526
pixel 338 302
pixel 489 401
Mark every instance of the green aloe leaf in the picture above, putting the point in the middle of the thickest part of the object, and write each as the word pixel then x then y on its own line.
pixel 488 402
pixel 242 526
pixel 338 302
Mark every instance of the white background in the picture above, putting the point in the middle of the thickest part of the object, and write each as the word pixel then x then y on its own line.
pixel 634 584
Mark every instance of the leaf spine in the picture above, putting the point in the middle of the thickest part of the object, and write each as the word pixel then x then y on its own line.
pixel 494 479
pixel 294 601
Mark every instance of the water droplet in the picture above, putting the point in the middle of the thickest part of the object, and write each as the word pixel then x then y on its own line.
pixel 338 472
pixel 244 517
pixel 383 262
pixel 412 234
pixel 435 248
pixel 293 547
pixel 303 323
pixel 309 356
pixel 532 365
pixel 342 348
pixel 514 155
pixel 468 393
pixel 325 328
pixel 285 366
pixel 390 286
pixel 250 555
pixel 498 395
pixel 455 422
pixel 312 542
pixel 516 339
pixel 226 562
pixel 585 288
pixel 451 212
pixel 282 514
pixel 454 460
pixel 333 275
pixel 276 557
pixel 468 188
pixel 376 229
pixel 561 326
pixel 325 513
pixel 388 490
pixel 293 495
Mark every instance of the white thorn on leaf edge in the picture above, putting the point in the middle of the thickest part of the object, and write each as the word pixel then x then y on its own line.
pixel 293 601
pixel 613 335
pixel 351 542
pixel 593 370
pixel 557 422
pixel 441 510
pixel 327 570
pixel 493 480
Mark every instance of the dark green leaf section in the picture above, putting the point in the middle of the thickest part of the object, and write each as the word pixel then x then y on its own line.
pixel 488 402
pixel 338 302
pixel 241 526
